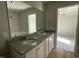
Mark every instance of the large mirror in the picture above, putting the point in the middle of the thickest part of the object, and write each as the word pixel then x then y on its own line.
pixel 24 19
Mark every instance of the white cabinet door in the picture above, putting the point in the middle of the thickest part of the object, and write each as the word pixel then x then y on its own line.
pixel 37 52
pixel 51 43
pixel 40 51
pixel 44 48
pixel 31 54
pixel 47 47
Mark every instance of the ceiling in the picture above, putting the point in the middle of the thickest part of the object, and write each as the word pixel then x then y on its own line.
pixel 17 6
pixel 70 10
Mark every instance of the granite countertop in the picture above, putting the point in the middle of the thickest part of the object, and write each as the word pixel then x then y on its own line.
pixel 22 49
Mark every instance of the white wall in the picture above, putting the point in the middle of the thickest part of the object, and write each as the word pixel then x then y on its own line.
pixel 15 24
pixel 36 4
pixel 23 22
pixel 14 21
pixel 67 23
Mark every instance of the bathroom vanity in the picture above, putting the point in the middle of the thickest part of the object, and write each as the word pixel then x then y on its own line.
pixel 24 24
pixel 33 48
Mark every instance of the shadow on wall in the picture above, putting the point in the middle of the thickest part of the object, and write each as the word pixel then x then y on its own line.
pixel 4 50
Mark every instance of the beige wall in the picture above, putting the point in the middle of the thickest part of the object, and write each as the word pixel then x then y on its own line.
pixel 4 29
pixel 77 37
pixel 51 16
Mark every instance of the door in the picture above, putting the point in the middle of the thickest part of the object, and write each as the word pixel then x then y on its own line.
pixel 51 43
pixel 32 23
pixel 47 47
pixel 31 54
pixel 66 30
pixel 40 51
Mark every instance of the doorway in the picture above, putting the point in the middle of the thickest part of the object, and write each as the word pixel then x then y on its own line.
pixel 32 23
pixel 66 28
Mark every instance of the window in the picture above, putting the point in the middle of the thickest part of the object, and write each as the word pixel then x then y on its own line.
pixel 32 23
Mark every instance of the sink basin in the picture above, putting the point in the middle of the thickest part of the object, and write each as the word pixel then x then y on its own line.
pixel 32 38
pixel 25 42
pixel 34 43
pixel 30 42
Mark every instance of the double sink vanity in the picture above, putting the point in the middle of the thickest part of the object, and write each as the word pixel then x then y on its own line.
pixel 36 45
